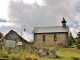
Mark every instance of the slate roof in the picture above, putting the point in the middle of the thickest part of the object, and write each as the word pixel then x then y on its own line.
pixel 51 29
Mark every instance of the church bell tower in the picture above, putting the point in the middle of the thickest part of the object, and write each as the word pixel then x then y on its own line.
pixel 63 22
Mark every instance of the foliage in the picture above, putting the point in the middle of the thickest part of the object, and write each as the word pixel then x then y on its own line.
pixel 19 55
pixel 1 35
pixel 70 41
pixel 23 55
pixel 5 54
pixel 78 41
pixel 72 37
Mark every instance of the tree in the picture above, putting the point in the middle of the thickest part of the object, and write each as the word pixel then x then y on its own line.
pixel 71 40
pixel 72 37
pixel 1 35
pixel 78 41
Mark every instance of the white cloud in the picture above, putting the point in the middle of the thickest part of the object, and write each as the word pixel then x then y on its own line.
pixel 5 24
pixel 6 29
pixel 74 25
pixel 53 11
pixel 4 9
pixel 74 32
pixel 41 13
pixel 77 18
pixel 50 14
pixel 27 36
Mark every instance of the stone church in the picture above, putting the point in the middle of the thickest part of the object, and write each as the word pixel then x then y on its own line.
pixel 51 36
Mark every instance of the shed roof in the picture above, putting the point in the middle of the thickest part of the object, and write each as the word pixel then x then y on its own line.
pixel 15 33
pixel 51 29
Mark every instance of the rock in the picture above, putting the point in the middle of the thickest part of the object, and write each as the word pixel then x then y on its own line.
pixel 40 50
pixel 43 52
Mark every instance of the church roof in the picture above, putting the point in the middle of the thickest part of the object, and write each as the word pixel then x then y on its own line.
pixel 51 29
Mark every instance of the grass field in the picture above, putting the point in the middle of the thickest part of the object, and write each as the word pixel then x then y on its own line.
pixel 63 54
pixel 66 54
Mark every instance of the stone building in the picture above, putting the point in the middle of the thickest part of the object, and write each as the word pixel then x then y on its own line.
pixel 12 37
pixel 51 36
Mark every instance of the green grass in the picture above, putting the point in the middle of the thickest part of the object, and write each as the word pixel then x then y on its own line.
pixel 65 54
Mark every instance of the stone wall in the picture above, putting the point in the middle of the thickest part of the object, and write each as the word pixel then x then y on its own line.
pixel 49 39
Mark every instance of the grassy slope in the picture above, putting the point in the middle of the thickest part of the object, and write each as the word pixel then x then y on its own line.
pixel 66 54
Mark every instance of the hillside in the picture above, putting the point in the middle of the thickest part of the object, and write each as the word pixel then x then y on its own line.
pixel 66 54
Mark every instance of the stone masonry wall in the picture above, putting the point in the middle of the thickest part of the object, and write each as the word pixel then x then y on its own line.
pixel 49 40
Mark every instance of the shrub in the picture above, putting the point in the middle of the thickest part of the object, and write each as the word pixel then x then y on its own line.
pixel 5 54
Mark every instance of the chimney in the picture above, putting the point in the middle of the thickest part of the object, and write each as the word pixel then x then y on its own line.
pixel 63 22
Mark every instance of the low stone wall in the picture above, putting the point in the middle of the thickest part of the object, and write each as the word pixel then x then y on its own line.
pixel 43 52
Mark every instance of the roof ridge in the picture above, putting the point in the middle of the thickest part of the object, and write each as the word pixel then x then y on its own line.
pixel 49 26
pixel 14 32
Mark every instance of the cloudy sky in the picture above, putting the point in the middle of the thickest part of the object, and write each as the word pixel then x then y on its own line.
pixel 38 13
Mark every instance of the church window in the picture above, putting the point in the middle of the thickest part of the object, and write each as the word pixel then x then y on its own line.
pixel 55 37
pixel 43 38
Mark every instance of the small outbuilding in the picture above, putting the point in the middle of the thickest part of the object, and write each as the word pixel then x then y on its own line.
pixel 13 40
